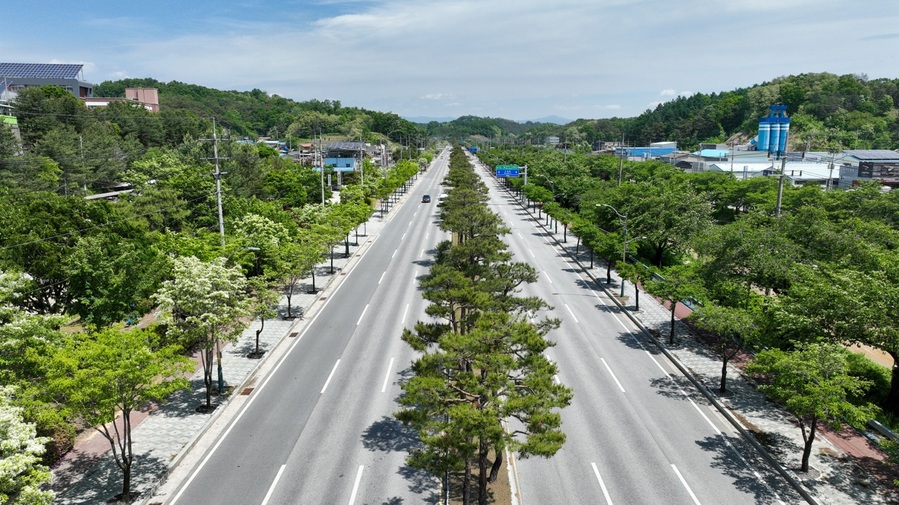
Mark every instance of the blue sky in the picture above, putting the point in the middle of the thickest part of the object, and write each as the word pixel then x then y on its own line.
pixel 517 59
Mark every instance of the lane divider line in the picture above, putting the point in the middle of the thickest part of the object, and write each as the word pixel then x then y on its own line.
pixel 329 377
pixel 687 486
pixel 612 374
pixel 362 315
pixel 387 376
pixel 356 484
pixel 602 485
pixel 271 488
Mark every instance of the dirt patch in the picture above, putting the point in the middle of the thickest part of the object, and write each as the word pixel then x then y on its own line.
pixel 498 492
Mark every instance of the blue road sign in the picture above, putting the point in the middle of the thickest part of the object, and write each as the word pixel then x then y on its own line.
pixel 507 171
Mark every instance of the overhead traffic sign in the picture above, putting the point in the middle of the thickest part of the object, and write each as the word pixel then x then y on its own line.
pixel 507 171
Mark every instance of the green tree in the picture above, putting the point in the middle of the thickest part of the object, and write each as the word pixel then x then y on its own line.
pixel 204 304
pixel 731 329
pixel 21 474
pixel 112 278
pixel 114 372
pixel 673 284
pixel 813 384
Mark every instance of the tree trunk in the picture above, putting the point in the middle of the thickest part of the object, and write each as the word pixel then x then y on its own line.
pixel 636 297
pixel 608 271
pixel 807 450
pixel 289 295
pixel 482 473
pixel 671 334
pixel 892 402
pixel 207 375
pixel 723 387
pixel 497 464
pixel 126 484
pixel 466 483
pixel 261 327
pixel 577 247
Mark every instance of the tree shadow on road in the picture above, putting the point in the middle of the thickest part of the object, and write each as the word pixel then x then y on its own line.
pixel 765 488
pixel 390 435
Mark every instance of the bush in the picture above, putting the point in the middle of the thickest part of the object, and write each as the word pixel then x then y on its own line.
pixel 879 376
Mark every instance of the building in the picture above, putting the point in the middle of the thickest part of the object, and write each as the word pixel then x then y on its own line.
pixel 147 98
pixel 863 165
pixel 15 77
pixel 655 150
pixel 797 173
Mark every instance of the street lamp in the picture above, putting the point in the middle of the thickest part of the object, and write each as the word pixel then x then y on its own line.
pixel 623 218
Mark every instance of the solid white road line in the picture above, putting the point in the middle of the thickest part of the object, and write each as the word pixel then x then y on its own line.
pixel 382 277
pixel 602 485
pixel 653 358
pixel 362 315
pixel 329 377
pixel 356 484
pixel 612 374
pixel 572 314
pixel 687 486
pixel 387 376
pixel 271 488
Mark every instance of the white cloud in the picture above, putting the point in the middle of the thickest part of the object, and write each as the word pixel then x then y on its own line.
pixel 484 57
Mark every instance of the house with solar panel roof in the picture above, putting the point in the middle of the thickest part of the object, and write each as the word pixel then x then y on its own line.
pixel 15 77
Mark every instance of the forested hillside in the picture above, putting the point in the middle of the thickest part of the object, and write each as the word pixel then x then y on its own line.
pixel 827 112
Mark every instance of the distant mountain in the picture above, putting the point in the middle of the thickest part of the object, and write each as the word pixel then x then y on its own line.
pixel 551 119
pixel 426 120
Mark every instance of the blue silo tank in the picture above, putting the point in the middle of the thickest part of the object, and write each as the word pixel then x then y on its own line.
pixel 764 134
pixel 784 132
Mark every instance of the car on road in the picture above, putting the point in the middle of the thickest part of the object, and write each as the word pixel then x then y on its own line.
pixel 426 199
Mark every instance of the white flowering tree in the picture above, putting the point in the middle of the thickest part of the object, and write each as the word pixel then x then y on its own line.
pixel 21 473
pixel 204 305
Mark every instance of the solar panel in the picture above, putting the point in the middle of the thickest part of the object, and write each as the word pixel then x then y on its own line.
pixel 40 70
pixel 873 154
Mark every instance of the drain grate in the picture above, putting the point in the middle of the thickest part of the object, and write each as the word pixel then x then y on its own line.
pixel 246 391
pixel 293 335
pixel 323 298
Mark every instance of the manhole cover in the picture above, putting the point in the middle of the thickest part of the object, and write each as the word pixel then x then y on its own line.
pixel 246 391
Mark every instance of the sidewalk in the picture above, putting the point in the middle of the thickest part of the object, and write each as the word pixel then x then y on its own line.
pixel 164 436
pixel 837 476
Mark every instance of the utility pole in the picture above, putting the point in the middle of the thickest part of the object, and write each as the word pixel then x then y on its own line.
pixel 321 165
pixel 218 180
pixel 780 186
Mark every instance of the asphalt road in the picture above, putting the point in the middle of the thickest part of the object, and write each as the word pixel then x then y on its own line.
pixel 636 431
pixel 319 429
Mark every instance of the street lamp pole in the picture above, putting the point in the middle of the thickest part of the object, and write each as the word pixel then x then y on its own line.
pixel 623 218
